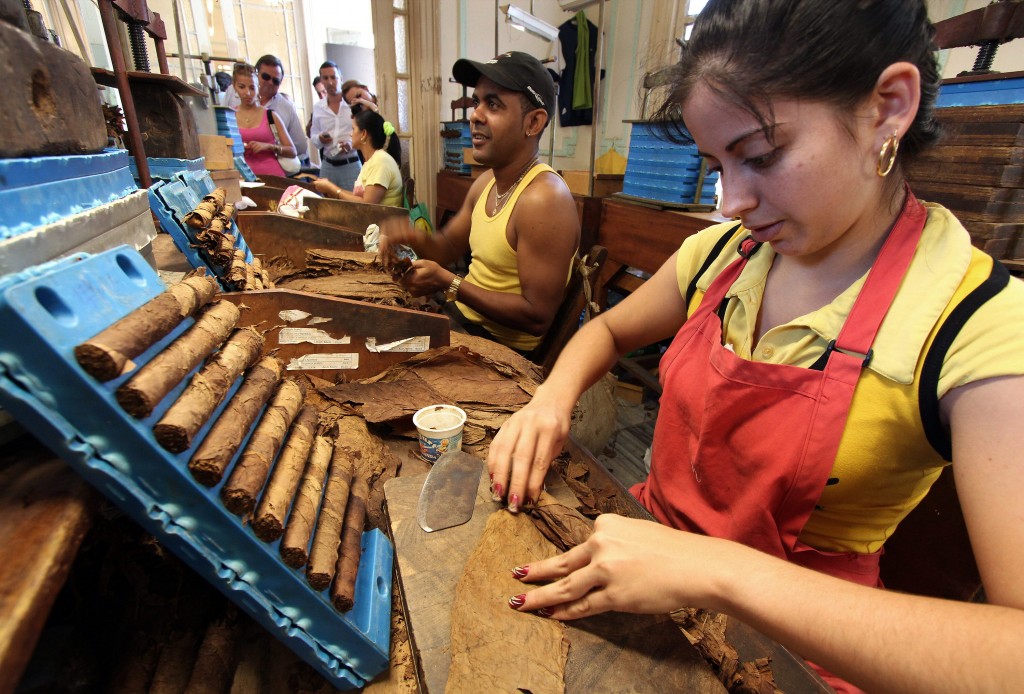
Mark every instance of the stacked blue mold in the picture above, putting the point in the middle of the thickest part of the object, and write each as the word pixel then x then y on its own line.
pixel 35 191
pixel 227 126
pixel 455 137
pixel 164 168
pixel 171 200
pixel 993 92
pixel 657 169
pixel 47 311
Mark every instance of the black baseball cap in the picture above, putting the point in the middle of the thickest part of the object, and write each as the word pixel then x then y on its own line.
pixel 515 70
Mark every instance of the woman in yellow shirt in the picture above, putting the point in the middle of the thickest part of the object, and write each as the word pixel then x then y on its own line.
pixel 802 413
pixel 380 180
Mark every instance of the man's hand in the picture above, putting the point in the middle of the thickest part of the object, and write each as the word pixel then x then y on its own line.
pixel 394 232
pixel 426 277
pixel 325 137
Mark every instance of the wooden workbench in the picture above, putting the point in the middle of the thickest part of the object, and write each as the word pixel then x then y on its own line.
pixel 26 614
pixel 642 237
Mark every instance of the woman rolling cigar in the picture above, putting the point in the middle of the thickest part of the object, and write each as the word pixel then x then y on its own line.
pixel 380 180
pixel 819 378
pixel 262 148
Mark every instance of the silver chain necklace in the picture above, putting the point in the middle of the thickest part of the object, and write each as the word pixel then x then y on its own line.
pixel 502 198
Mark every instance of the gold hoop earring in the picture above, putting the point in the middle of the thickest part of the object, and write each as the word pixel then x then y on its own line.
pixel 887 155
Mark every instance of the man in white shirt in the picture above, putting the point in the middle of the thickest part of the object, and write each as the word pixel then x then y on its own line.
pixel 269 73
pixel 332 131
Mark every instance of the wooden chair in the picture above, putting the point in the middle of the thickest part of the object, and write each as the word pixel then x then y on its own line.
pixel 578 296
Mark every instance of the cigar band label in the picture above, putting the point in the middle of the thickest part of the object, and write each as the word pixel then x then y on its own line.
pixel 324 361
pixel 315 336
pixel 420 343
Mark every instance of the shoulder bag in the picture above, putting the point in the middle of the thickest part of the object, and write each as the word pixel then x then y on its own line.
pixel 290 165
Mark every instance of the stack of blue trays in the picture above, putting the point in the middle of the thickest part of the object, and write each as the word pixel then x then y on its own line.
pixel 227 126
pixel 49 309
pixel 172 200
pixel 657 169
pixel 42 190
pixel 454 138
pixel 164 168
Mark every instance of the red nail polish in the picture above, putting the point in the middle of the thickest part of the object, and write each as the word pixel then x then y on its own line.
pixel 490 476
pixel 513 503
pixel 517 601
pixel 520 572
pixel 545 612
pixel 498 489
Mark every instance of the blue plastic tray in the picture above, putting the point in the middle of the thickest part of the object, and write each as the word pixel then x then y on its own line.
pixel 657 169
pixel 42 190
pixel 166 167
pixel 47 311
pixel 171 200
pixel 982 93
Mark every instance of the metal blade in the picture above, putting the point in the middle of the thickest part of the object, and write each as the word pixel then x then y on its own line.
pixel 449 492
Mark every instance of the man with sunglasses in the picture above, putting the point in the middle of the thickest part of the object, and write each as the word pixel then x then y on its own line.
pixel 270 73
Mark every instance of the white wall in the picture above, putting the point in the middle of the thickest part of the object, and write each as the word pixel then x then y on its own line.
pixel 627 26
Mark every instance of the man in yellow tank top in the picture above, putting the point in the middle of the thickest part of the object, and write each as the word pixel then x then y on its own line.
pixel 519 220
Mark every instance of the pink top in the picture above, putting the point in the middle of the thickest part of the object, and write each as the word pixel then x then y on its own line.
pixel 262 162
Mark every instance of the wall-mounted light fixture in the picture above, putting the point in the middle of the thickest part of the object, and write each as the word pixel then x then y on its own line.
pixel 524 21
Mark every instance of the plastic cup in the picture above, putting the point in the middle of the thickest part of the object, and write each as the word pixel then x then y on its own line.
pixel 440 430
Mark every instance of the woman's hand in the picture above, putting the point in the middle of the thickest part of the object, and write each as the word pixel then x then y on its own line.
pixel 522 451
pixel 325 187
pixel 629 565
pixel 365 102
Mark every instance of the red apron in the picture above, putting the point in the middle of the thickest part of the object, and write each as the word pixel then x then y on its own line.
pixel 743 449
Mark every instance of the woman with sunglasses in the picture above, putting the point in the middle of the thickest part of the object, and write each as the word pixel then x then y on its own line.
pixel 833 350
pixel 380 180
pixel 257 125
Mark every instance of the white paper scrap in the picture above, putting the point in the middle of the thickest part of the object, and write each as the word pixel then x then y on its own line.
pixel 315 336
pixel 420 343
pixel 324 361
pixel 292 315
pixel 316 320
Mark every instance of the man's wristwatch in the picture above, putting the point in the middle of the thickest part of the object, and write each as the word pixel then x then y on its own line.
pixel 452 292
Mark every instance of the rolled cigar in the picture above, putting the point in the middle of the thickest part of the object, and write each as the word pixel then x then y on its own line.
pixel 343 589
pixel 109 354
pixel 323 557
pixel 250 278
pixel 222 248
pixel 236 273
pixel 193 408
pixel 295 543
pixel 215 662
pixel 201 217
pixel 247 479
pixel 227 214
pixel 140 394
pixel 225 436
pixel 268 523
pixel 217 195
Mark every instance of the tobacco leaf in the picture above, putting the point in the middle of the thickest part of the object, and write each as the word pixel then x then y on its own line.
pixel 493 648
pixel 489 390
pixel 564 527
